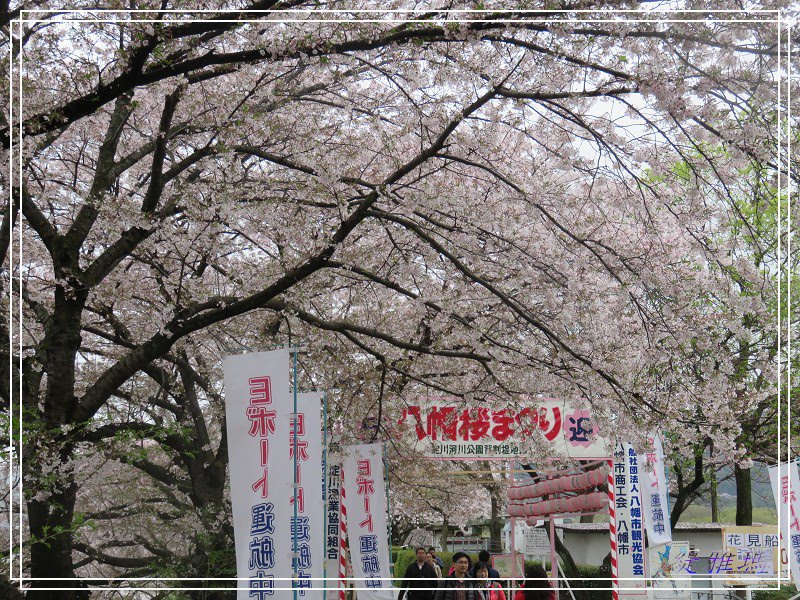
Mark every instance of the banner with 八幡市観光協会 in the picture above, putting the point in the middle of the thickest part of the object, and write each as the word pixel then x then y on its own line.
pixel 628 531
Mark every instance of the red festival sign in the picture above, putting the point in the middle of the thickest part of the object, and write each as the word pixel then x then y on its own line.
pixel 448 428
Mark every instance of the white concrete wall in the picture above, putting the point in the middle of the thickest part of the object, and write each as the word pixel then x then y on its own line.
pixel 590 547
pixel 587 548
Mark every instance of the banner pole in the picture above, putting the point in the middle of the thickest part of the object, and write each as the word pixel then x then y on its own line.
pixel 612 527
pixel 342 535
pixel 513 540
pixel 553 555
pixel 388 509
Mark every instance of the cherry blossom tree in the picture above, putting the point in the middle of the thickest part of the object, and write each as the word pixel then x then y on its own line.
pixel 480 204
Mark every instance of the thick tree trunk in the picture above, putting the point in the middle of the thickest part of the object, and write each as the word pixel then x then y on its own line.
pixel 744 496
pixel 714 498
pixel 496 525
pixel 214 555
pixel 9 591
pixel 444 535
pixel 50 524
pixel 50 520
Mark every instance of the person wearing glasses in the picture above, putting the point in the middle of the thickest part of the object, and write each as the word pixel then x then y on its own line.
pixel 491 589
pixel 459 585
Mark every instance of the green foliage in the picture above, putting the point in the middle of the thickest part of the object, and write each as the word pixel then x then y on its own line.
pixel 786 592
pixel 79 520
pixel 401 560
pixel 589 576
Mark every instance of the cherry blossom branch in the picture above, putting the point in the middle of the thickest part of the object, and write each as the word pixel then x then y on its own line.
pixel 125 562
pixel 202 315
pixel 516 308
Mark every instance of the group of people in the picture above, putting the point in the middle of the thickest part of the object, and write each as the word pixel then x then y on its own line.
pixel 466 581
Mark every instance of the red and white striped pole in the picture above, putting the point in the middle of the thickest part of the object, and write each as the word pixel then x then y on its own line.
pixel 342 536
pixel 612 526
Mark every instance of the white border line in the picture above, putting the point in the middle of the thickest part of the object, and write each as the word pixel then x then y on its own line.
pixel 779 13
pixel 403 21
pixel 457 11
pixel 11 451
pixel 19 333
pixel 778 200
pixel 789 257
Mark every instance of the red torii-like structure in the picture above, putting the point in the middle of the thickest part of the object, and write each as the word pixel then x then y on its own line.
pixel 574 496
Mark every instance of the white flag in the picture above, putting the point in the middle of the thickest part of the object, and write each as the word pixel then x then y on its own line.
pixel 364 501
pixel 786 489
pixel 257 409
pixel 654 495
pixel 308 521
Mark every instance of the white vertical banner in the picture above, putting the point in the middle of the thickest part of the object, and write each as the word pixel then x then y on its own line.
pixel 785 482
pixel 654 494
pixel 364 499
pixel 258 409
pixel 307 534
pixel 332 533
pixel 628 526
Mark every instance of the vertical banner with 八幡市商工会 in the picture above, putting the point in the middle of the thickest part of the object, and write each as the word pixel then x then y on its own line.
pixel 258 413
pixel 364 498
pixel 629 532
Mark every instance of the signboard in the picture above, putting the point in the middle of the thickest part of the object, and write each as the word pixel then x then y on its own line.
pixel 629 535
pixel 537 542
pixel 668 563
pixel 786 491
pixel 748 553
pixel 364 498
pixel 307 520
pixel 257 411
pixel 449 428
pixel 654 494
pixel 502 564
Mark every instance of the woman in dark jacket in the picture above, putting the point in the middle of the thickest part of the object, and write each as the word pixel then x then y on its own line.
pixel 535 586
pixel 459 585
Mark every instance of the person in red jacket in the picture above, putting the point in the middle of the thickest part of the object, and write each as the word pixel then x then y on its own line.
pixel 492 589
